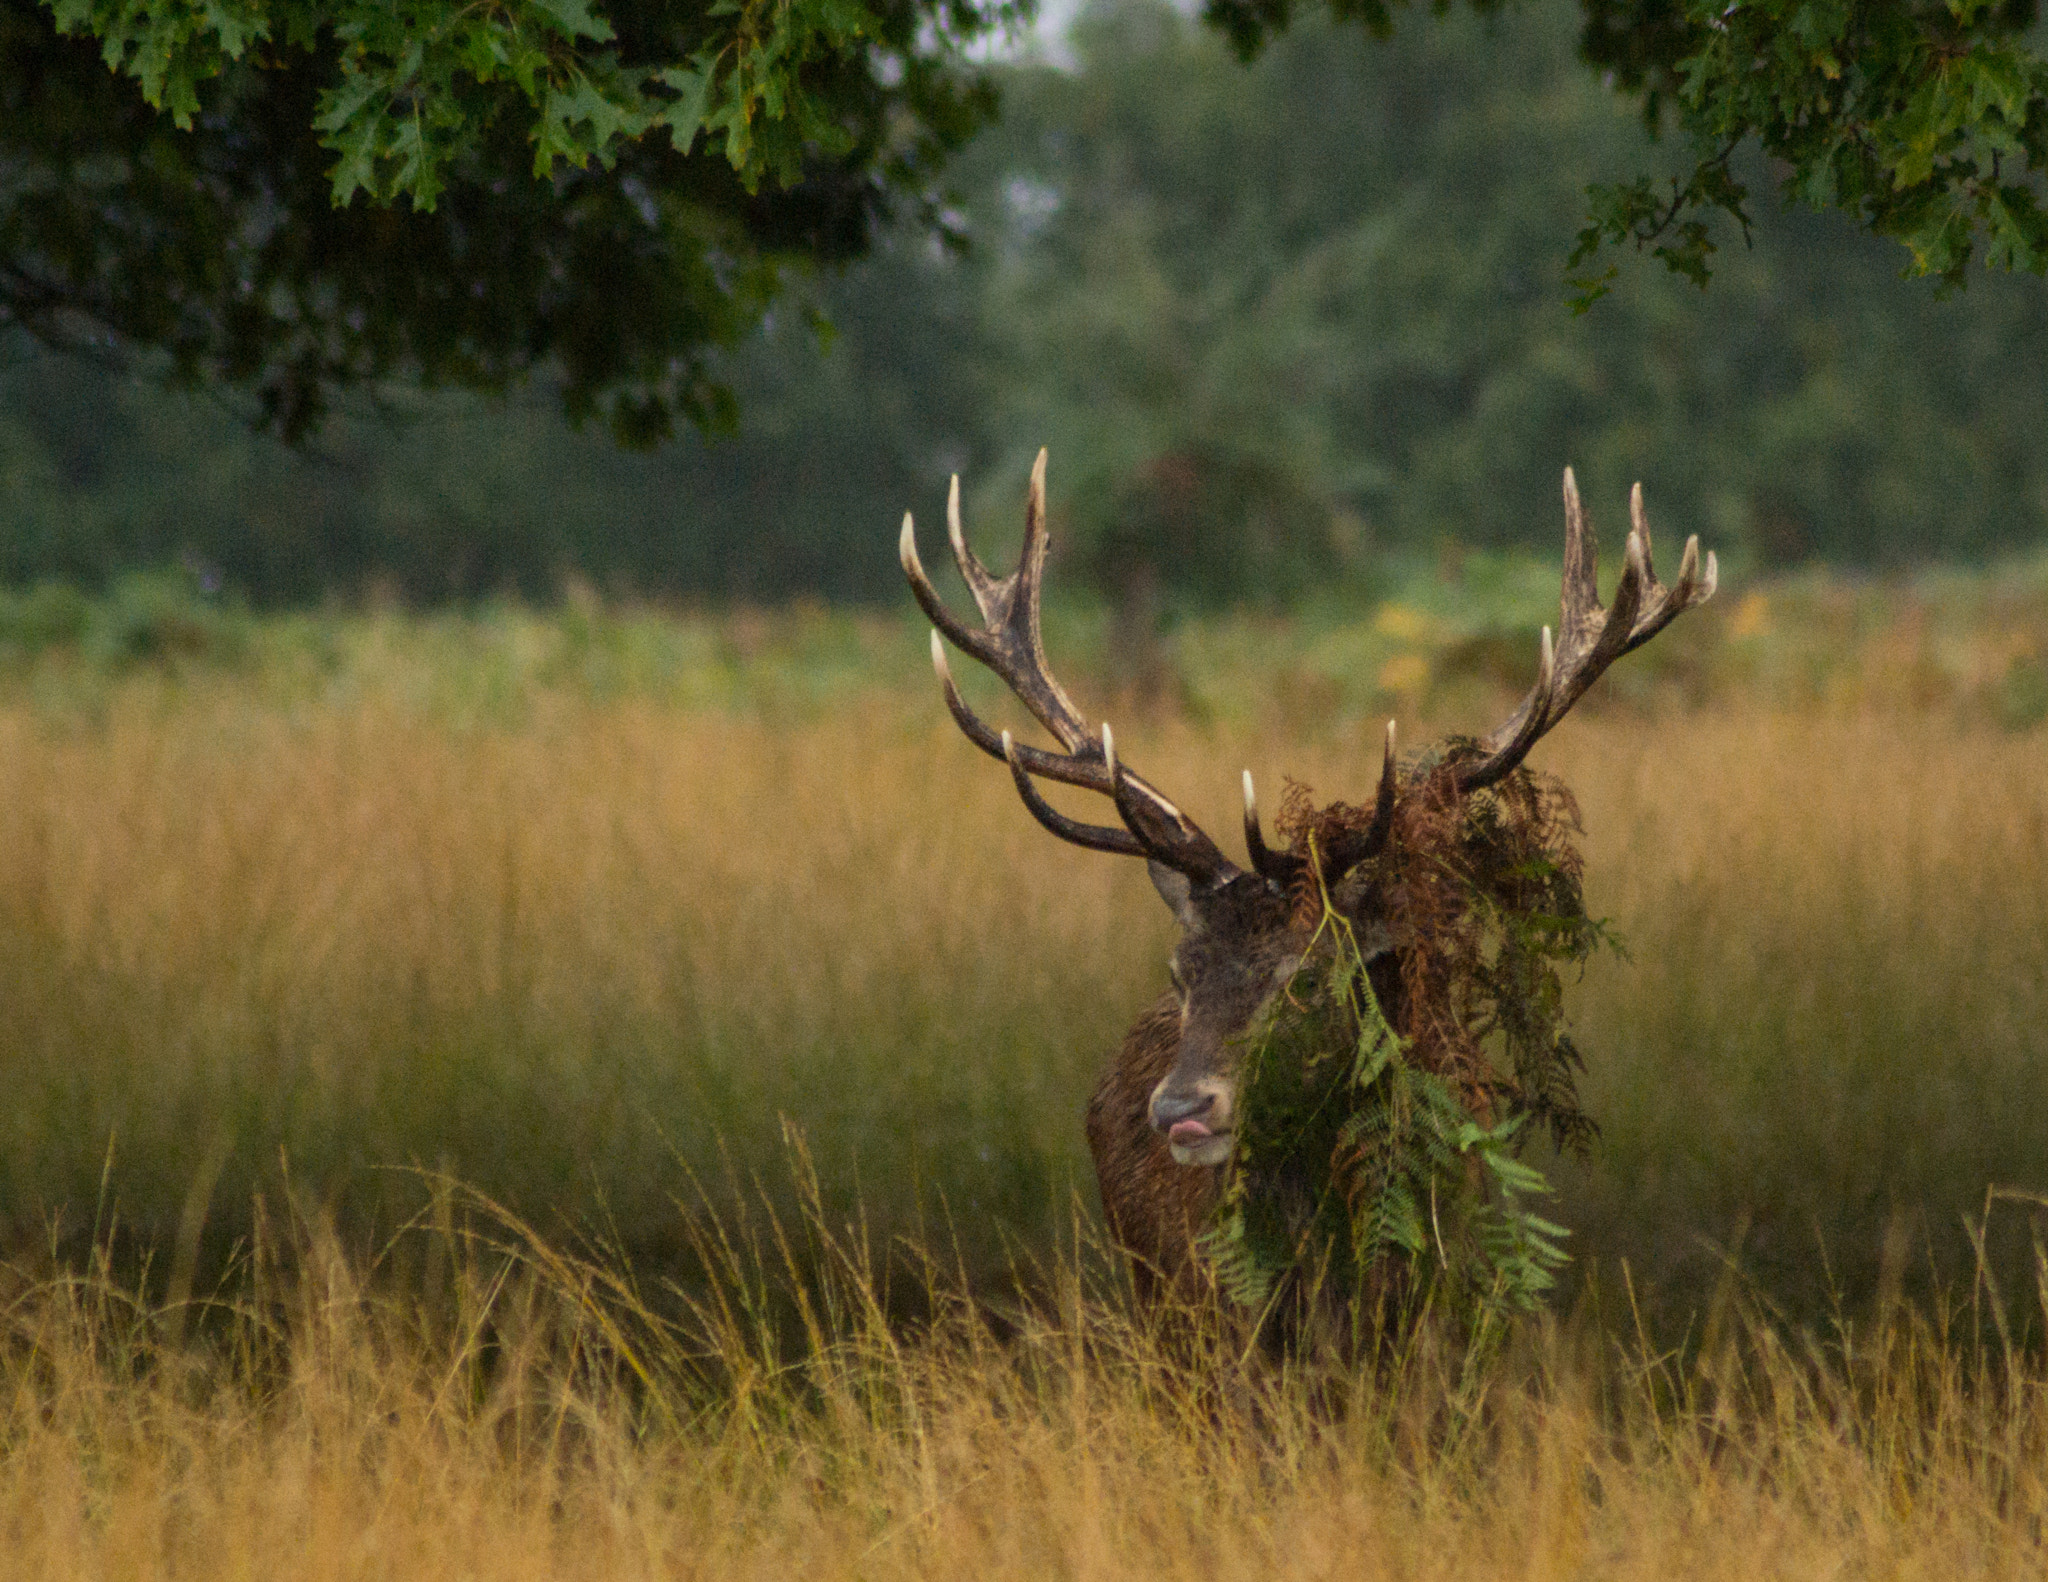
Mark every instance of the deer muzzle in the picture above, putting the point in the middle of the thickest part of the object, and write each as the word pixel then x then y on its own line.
pixel 1196 1119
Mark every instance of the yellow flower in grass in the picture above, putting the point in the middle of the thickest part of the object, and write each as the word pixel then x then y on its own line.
pixel 1751 617
pixel 1405 674
pixel 1403 624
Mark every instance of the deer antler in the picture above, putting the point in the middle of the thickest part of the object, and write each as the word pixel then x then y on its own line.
pixel 1010 644
pixel 1590 638
pixel 1350 849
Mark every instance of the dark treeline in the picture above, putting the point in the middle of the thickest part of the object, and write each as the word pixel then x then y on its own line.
pixel 1274 323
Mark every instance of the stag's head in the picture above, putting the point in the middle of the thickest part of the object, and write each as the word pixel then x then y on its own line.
pixel 1240 941
pixel 1243 930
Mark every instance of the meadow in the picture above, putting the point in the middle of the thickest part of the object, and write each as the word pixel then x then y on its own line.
pixel 536 1420
pixel 594 910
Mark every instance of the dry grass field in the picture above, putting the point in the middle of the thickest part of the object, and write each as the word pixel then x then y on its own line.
pixel 578 910
pixel 534 1419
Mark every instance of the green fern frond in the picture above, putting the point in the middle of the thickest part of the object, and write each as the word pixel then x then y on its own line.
pixel 1357 1160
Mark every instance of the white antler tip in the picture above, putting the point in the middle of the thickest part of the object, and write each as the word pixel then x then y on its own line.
pixel 1108 743
pixel 1637 556
pixel 1713 577
pixel 906 545
pixel 939 656
pixel 1009 748
pixel 1251 800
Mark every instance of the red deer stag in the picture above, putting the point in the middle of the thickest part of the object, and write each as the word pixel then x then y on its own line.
pixel 1160 1121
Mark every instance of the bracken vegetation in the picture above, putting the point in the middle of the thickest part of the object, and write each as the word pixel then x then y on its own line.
pixel 1376 1158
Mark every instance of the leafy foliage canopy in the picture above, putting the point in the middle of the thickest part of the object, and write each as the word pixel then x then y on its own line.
pixel 415 87
pixel 225 196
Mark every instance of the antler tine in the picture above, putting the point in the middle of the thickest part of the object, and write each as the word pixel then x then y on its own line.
pixel 980 581
pixel 1666 605
pixel 1509 742
pixel 1277 866
pixel 1589 638
pixel 1383 803
pixel 957 631
pixel 1254 837
pixel 1097 837
pixel 1347 853
pixel 1581 561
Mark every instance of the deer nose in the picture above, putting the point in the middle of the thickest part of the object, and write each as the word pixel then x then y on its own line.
pixel 1169 1110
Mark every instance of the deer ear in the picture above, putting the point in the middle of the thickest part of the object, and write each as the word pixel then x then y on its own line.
pixel 1176 890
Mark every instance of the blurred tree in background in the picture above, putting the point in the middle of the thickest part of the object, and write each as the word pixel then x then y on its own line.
pixel 1277 324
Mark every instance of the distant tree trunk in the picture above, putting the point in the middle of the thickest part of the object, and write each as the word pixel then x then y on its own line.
pixel 1137 658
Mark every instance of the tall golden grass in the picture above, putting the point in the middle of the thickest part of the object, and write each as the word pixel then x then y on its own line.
pixel 540 1421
